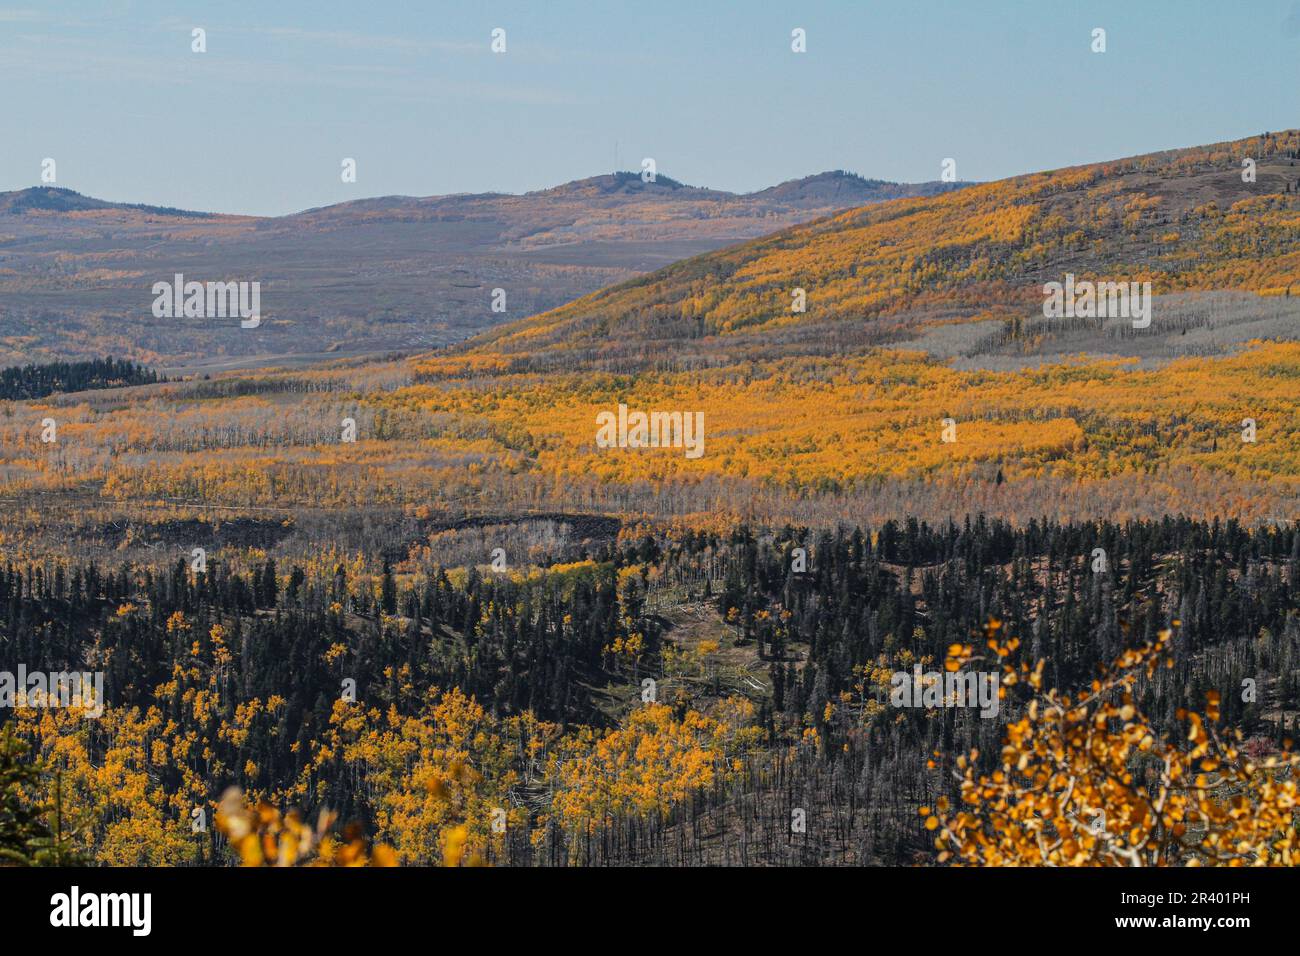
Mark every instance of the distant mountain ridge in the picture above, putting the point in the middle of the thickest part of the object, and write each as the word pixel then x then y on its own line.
pixel 57 199
pixel 833 184
pixel 837 185
pixel 834 189
pixel 368 275
pixel 624 182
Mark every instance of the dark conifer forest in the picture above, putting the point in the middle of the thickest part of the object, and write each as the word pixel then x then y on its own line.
pixel 240 675
pixel 38 381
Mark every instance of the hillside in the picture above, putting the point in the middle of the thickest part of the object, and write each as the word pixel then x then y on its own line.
pixel 372 275
pixel 1184 220
pixel 52 199
pixel 924 310
pixel 807 417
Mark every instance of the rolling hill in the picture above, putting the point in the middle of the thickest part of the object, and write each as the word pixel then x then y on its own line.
pixel 1185 220
pixel 51 199
pixel 927 311
pixel 371 275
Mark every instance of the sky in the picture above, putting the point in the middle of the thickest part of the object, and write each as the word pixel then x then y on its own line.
pixel 261 122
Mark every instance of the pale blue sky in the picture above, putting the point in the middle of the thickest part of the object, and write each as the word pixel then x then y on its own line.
pixel 260 122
